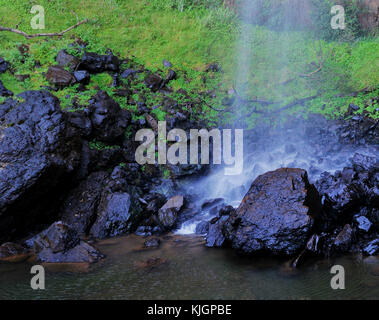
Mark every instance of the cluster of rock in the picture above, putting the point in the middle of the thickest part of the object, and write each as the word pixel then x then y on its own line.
pixel 58 193
pixel 51 177
pixel 283 214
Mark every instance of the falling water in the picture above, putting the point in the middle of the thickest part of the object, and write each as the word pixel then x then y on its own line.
pixel 290 148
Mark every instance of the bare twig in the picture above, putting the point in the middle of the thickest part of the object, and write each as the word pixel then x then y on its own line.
pixel 55 34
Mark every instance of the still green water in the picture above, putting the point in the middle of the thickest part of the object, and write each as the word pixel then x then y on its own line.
pixel 188 270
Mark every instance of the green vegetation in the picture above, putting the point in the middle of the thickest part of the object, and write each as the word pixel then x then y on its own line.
pixel 191 34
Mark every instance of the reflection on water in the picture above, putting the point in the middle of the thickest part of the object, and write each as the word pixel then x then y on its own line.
pixel 182 268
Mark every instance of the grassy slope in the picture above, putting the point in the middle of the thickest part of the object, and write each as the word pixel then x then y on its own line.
pixel 151 31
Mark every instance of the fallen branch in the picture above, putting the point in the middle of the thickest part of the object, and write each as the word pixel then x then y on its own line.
pixel 56 34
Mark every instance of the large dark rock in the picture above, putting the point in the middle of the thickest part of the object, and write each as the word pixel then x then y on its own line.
pixel 276 215
pixel 37 162
pixel 83 252
pixel 59 77
pixel 103 205
pixel 113 216
pixel 80 207
pixel 4 92
pixel 95 63
pixel 109 121
pixel 168 214
pixel 215 236
pixel 58 237
pixel 60 243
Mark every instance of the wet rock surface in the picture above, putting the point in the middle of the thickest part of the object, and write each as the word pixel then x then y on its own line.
pixel 167 215
pixel 78 167
pixel 276 215
pixel 61 244
pixel 37 161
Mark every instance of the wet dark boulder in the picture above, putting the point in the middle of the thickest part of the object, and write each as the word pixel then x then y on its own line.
pixel 109 121
pixel 216 235
pixel 4 92
pixel 60 244
pixel 66 60
pixel 95 63
pixel 80 207
pixel 4 65
pixel 168 214
pixel 37 160
pixel 113 216
pixel 103 205
pixel 59 77
pixel 276 215
pixel 58 237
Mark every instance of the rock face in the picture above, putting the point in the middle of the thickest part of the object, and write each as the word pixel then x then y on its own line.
pixel 276 215
pixel 103 205
pixel 80 206
pixel 168 214
pixel 109 121
pixel 60 243
pixel 113 216
pixel 37 161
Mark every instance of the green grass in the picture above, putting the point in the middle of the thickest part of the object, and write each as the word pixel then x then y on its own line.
pixel 191 36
